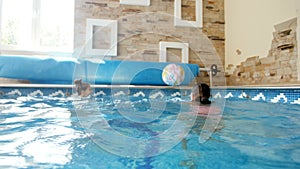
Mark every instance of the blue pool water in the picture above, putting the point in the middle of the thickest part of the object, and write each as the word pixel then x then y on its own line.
pixel 52 132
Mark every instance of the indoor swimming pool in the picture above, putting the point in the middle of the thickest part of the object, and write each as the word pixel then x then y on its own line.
pixel 48 128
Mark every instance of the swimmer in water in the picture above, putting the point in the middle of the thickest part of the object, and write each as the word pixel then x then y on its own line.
pixel 83 89
pixel 201 93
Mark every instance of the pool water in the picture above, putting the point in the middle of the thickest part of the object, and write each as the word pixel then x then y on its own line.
pixel 49 132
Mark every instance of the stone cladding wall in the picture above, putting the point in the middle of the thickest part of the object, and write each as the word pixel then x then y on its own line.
pixel 141 28
pixel 278 68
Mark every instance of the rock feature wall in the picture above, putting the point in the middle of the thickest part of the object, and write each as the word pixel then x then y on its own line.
pixel 279 67
pixel 141 28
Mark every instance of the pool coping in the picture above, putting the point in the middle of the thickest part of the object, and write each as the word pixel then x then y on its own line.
pixel 258 87
pixel 148 86
pixel 93 86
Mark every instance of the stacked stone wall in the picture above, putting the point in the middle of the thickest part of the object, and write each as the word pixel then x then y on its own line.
pixel 141 28
pixel 278 68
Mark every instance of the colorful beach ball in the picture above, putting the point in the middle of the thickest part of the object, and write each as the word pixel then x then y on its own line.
pixel 173 75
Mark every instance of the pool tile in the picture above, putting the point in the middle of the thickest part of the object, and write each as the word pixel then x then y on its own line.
pixel 282 95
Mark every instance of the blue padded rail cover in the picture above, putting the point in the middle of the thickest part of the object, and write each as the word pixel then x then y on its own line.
pixel 63 70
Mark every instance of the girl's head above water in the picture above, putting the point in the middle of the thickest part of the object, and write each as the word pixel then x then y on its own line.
pixel 201 93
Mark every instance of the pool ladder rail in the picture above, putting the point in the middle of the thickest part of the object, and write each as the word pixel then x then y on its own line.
pixel 212 71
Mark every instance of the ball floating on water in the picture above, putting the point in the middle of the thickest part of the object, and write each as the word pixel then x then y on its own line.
pixel 173 74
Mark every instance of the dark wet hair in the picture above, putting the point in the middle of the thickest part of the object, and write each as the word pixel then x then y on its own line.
pixel 204 94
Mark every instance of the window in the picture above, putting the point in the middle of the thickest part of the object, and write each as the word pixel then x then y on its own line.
pixel 37 25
